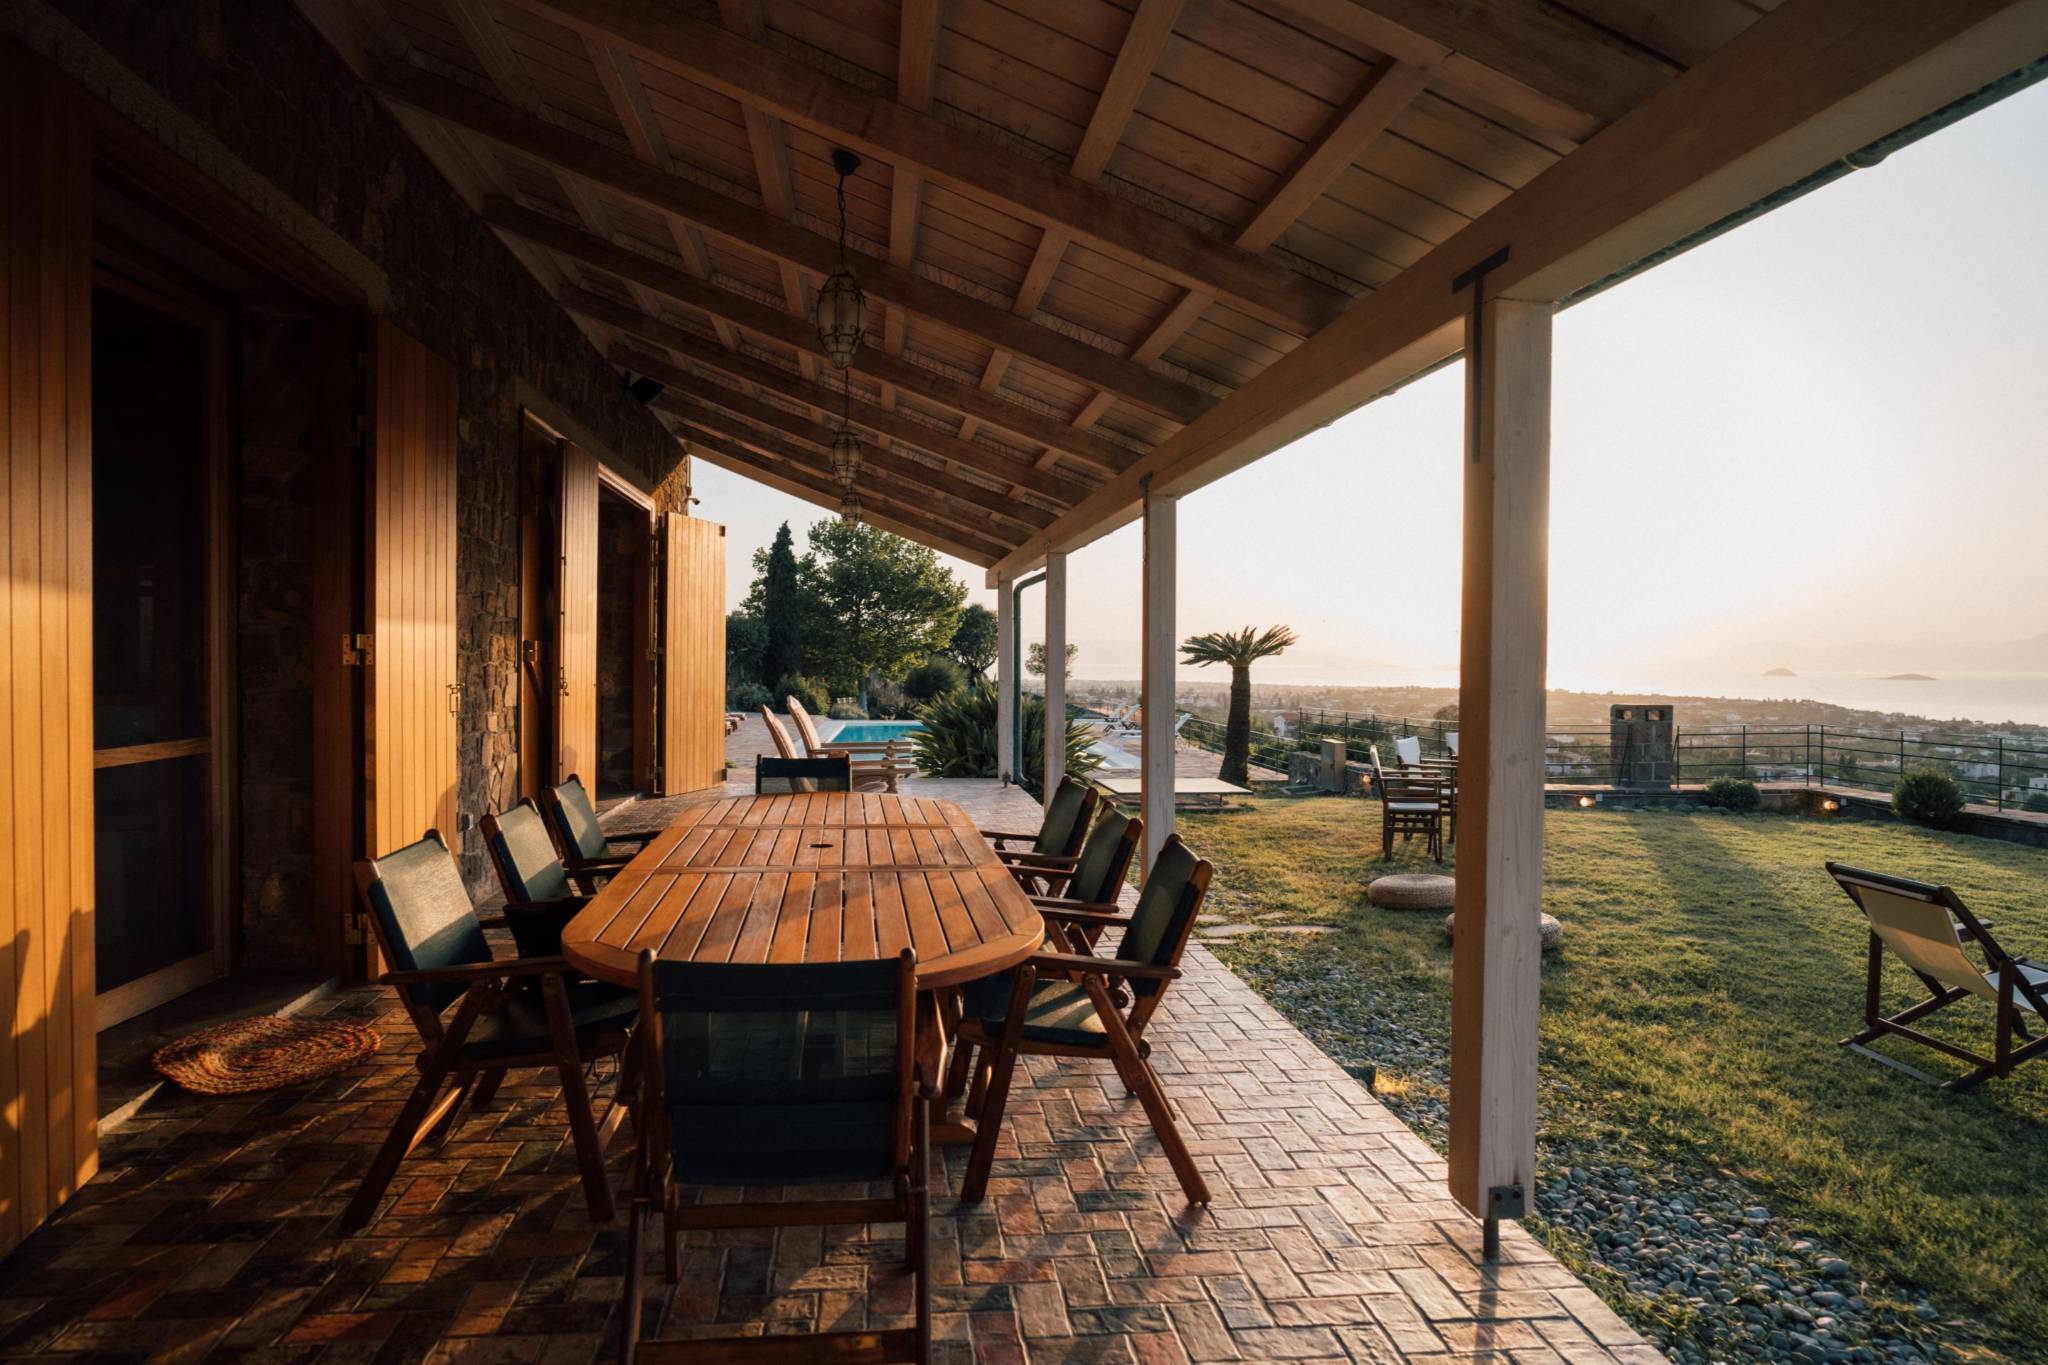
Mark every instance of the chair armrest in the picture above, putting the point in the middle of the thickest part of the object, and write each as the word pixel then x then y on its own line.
pixel 607 864
pixel 998 837
pixel 480 971
pixel 1103 966
pixel 1033 861
pixel 1080 916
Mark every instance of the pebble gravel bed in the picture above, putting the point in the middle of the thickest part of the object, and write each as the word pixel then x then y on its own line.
pixel 1692 1257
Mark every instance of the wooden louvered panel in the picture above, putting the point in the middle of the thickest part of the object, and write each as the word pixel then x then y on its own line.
pixel 48 1093
pixel 411 729
pixel 576 599
pixel 693 655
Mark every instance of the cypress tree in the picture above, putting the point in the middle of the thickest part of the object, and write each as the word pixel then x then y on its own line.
pixel 782 653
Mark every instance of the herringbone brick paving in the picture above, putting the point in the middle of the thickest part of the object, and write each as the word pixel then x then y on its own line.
pixel 209 1232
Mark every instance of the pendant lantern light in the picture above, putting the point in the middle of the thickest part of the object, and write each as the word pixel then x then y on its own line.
pixel 841 312
pixel 849 509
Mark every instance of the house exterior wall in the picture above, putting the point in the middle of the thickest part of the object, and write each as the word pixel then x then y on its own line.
pixel 250 94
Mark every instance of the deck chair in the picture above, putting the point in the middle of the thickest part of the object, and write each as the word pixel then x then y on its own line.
pixel 1926 927
pixel 789 776
pixel 529 1011
pixel 579 838
pixel 1410 804
pixel 878 752
pixel 867 776
pixel 528 867
pixel 764 1075
pixel 1059 1004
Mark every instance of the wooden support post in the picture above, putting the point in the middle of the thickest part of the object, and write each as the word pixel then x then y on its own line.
pixel 1006 679
pixel 1496 955
pixel 1055 672
pixel 1156 689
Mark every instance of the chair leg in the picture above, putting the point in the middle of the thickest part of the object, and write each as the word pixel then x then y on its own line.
pixel 959 1070
pixel 445 1125
pixel 988 1125
pixel 486 1091
pixel 597 1194
pixel 406 1129
pixel 977 1093
pixel 919 1229
pixel 636 1225
pixel 1151 1095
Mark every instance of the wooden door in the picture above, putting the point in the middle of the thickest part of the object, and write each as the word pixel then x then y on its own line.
pixel 48 1095
pixel 576 615
pixel 692 655
pixel 414 686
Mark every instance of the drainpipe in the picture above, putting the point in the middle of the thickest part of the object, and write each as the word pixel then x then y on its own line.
pixel 1017 673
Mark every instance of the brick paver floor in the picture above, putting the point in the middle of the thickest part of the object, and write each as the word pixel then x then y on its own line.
pixel 210 1231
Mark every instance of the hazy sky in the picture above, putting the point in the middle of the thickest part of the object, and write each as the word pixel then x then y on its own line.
pixel 1827 427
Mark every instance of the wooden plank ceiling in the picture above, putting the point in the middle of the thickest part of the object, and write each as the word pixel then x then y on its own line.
pixel 1079 224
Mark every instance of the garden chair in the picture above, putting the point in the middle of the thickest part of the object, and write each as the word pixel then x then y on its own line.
pixel 528 867
pixel 875 751
pixel 867 776
pixel 793 776
pixel 529 1011
pixel 1408 751
pixel 1057 840
pixel 765 1075
pixel 1058 1004
pixel 1925 927
pixel 1410 804
pixel 581 840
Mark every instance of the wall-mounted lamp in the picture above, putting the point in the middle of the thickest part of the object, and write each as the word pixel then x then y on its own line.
pixel 1830 805
pixel 1588 802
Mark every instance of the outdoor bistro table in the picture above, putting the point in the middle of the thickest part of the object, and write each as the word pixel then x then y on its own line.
pixel 822 877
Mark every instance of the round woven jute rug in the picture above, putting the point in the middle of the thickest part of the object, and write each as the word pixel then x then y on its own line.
pixel 1413 891
pixel 1550 933
pixel 246 1055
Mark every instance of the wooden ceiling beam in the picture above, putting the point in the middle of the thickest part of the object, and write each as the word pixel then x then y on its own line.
pixel 978 167
pixel 749 229
pixel 688 393
pixel 782 383
pixel 773 325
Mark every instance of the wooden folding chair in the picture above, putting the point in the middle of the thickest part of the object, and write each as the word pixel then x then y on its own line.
pixel 532 1011
pixel 1057 840
pixel 1058 1004
pixel 756 1075
pixel 1925 926
pixel 1410 804
pixel 579 838
pixel 529 868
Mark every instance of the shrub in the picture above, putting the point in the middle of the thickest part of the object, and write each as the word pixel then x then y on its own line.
pixel 840 710
pixel 959 738
pixel 2035 801
pixel 886 700
pixel 1731 793
pixel 932 678
pixel 1927 797
pixel 750 697
pixel 813 694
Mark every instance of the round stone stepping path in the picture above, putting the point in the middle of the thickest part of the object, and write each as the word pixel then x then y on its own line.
pixel 1413 891
pixel 1551 932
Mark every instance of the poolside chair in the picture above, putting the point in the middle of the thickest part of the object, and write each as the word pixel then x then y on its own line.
pixel 791 776
pixel 1410 804
pixel 1925 927
pixel 580 839
pixel 868 751
pixel 528 867
pixel 1058 1004
pixel 1180 723
pixel 759 1075
pixel 530 1011
pixel 867 777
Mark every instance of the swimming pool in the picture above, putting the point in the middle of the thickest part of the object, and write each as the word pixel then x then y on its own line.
pixel 867 731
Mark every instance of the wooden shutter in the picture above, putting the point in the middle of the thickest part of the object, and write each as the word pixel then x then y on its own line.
pixel 576 599
pixel 692 655
pixel 48 1096
pixel 413 677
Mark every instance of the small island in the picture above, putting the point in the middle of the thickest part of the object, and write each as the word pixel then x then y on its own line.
pixel 1779 673
pixel 1906 677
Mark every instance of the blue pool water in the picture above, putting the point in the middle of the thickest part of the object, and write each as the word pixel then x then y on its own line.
pixel 870 731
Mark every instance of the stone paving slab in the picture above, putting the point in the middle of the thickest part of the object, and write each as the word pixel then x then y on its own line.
pixel 210 1230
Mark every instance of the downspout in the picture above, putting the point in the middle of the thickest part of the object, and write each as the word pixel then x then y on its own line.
pixel 1017 671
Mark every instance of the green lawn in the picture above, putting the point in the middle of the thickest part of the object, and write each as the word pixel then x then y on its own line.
pixel 1710 965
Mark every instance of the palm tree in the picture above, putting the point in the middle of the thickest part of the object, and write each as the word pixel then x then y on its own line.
pixel 1240 649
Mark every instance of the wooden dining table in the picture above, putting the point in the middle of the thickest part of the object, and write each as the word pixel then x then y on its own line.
pixel 816 877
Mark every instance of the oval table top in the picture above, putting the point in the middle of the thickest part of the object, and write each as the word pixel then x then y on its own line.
pixel 822 877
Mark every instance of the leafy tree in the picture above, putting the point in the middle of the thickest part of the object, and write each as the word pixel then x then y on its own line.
pixel 874 604
pixel 2035 801
pixel 1240 649
pixel 1034 659
pixel 776 599
pixel 746 636
pixel 974 641
pixel 932 677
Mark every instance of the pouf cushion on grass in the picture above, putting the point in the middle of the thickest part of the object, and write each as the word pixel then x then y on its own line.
pixel 1413 891
pixel 247 1055
pixel 1551 933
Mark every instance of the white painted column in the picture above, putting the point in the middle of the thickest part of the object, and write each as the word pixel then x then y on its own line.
pixel 1055 671
pixel 1006 679
pixel 1495 958
pixel 1160 650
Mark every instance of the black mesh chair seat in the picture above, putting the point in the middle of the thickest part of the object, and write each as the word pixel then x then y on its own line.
pixel 1060 1012
pixel 520 1027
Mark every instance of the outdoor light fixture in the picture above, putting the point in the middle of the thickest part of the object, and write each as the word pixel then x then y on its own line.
pixel 841 311
pixel 849 509
pixel 1830 805
pixel 1586 803
pixel 845 458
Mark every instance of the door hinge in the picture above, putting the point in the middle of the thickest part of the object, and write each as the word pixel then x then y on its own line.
pixel 529 652
pixel 352 927
pixel 357 651
pixel 454 699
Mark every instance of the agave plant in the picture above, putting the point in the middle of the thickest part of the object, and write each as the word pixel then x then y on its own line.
pixel 959 738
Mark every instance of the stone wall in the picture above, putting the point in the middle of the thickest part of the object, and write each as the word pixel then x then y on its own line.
pixel 248 92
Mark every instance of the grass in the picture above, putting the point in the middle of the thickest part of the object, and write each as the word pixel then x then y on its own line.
pixel 1710 966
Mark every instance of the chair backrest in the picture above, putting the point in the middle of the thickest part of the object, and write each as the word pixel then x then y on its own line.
pixel 783 744
pixel 1165 916
pixel 806 729
pixel 575 820
pixel 1106 858
pixel 770 1073
pixel 1408 751
pixel 1917 921
pixel 786 776
pixel 1066 819
pixel 529 868
pixel 1451 743
pixel 423 919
